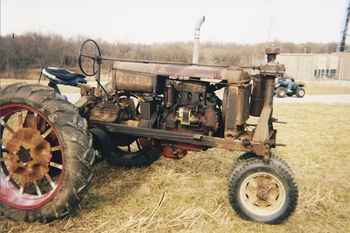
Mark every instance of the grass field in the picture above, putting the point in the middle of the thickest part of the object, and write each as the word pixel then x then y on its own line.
pixel 195 188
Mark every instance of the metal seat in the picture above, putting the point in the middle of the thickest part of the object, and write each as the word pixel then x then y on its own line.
pixel 63 76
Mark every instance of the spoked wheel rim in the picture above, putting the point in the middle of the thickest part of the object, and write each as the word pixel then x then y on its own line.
pixel 262 194
pixel 31 157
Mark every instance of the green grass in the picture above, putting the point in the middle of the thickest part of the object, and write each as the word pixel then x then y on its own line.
pixel 195 188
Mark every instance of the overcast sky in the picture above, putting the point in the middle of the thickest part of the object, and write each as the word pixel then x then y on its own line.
pixel 243 21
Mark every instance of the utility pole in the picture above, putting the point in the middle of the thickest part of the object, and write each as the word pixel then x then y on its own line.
pixel 0 18
pixel 344 35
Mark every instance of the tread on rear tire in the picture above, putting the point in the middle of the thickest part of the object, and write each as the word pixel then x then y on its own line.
pixel 77 151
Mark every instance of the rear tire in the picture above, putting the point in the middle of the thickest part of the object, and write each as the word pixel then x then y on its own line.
pixel 116 156
pixel 141 158
pixel 71 178
pixel 262 191
pixel 281 92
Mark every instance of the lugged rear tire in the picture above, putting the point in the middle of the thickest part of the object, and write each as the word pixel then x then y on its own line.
pixel 115 156
pixel 142 158
pixel 76 151
pixel 243 189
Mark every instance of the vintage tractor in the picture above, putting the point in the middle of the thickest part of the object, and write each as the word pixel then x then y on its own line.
pixel 147 109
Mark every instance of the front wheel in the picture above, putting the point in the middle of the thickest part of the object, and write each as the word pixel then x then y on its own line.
pixel 263 191
pixel 300 92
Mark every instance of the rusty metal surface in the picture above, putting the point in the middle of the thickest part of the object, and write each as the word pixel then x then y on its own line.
pixel 231 74
pixel 184 86
pixel 257 98
pixel 190 86
pixel 243 143
pixel 104 112
pixel 28 156
pixel 131 81
pixel 171 151
pixel 236 105
pixel 262 132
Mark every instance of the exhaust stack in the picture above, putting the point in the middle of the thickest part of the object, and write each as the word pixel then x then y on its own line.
pixel 197 33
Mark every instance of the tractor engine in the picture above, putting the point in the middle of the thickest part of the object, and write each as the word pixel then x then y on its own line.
pixel 189 106
pixel 161 102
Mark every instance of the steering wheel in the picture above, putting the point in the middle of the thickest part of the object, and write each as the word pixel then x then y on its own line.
pixel 90 58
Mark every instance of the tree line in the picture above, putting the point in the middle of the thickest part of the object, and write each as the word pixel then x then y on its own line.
pixel 33 50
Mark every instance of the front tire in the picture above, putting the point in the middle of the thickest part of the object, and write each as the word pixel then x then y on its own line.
pixel 46 154
pixel 300 92
pixel 263 191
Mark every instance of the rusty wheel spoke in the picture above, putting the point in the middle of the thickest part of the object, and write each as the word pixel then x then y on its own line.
pixel 5 125
pixel 35 121
pixel 31 120
pixel 21 118
pixel 24 116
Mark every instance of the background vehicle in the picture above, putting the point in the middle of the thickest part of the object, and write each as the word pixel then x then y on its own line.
pixel 288 87
pixel 147 109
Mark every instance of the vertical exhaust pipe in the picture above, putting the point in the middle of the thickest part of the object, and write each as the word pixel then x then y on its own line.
pixel 197 32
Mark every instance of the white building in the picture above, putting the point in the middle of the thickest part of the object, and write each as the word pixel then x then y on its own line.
pixel 311 66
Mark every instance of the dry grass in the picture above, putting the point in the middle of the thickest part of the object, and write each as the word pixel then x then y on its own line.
pixel 190 195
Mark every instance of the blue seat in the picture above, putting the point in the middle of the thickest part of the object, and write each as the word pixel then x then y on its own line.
pixel 63 76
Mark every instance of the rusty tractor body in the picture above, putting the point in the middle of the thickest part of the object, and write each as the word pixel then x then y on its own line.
pixel 150 108
pixel 179 104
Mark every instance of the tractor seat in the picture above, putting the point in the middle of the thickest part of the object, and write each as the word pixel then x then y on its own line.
pixel 63 76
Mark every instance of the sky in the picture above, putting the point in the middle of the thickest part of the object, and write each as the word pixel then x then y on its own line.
pixel 149 21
